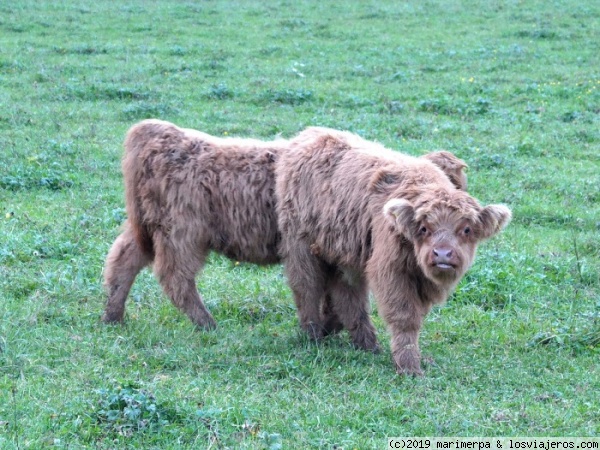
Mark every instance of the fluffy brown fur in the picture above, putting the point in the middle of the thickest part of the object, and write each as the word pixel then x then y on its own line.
pixel 188 193
pixel 353 214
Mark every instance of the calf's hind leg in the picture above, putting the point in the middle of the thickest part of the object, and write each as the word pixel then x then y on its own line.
pixel 124 261
pixel 176 265
pixel 307 277
pixel 350 303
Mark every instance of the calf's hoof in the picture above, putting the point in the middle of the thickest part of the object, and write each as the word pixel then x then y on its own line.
pixel 205 323
pixel 408 362
pixel 315 331
pixel 366 341
pixel 375 349
pixel 112 318
pixel 413 372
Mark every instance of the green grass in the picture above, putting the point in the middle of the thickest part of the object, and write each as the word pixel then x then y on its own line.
pixel 511 87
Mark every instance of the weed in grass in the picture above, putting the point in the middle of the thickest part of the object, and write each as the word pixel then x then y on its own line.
pixel 570 116
pixel 270 50
pixel 587 136
pixel 81 49
pixel 271 441
pixel 392 106
pixel 538 34
pixel 578 340
pixel 108 92
pixel 27 178
pixel 15 416
pixel 178 50
pixel 484 161
pixel 219 92
pixel 286 96
pixel 128 409
pixel 445 105
pixel 8 67
pixel 145 110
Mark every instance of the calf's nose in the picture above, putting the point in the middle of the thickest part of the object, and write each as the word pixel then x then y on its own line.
pixel 442 254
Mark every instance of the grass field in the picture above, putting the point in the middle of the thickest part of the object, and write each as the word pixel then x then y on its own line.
pixel 512 87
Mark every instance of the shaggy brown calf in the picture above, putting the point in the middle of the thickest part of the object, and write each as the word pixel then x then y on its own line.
pixel 354 215
pixel 188 193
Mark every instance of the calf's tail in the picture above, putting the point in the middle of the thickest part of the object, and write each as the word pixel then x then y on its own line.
pixel 136 176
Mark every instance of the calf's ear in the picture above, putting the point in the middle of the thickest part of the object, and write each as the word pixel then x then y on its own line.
pixel 453 167
pixel 492 219
pixel 401 214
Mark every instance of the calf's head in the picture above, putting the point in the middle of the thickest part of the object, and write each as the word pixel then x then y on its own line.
pixel 445 228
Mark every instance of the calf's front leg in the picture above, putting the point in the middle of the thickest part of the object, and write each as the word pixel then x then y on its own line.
pixel 405 348
pixel 403 310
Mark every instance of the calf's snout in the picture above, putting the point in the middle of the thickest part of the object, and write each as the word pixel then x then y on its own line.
pixel 442 255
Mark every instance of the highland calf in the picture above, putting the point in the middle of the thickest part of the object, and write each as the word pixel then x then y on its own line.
pixel 354 215
pixel 188 193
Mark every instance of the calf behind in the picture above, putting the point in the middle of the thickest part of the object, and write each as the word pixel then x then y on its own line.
pixel 188 193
